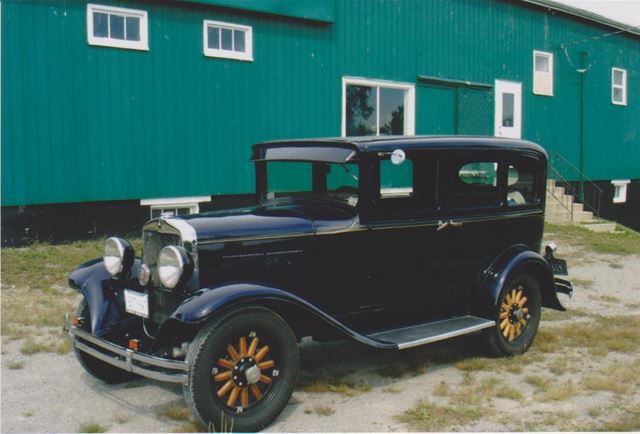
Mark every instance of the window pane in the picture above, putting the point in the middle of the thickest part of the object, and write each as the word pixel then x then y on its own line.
pixel 238 40
pixel 507 109
pixel 391 111
pixel 542 63
pixel 133 29
pixel 617 78
pixel 288 177
pixel 617 94
pixel 183 211
pixel 213 37
pixel 116 26
pixel 100 23
pixel 361 110
pixel 227 35
pixel 396 180
pixel 479 174
pixel 521 185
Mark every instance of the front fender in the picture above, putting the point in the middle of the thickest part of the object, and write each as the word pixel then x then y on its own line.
pixel 208 303
pixel 97 286
pixel 518 259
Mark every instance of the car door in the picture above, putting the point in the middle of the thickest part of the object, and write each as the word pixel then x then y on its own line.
pixel 472 230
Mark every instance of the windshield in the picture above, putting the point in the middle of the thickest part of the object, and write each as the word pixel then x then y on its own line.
pixel 336 181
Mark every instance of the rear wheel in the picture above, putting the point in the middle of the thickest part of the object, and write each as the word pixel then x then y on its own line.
pixel 242 369
pixel 517 316
pixel 97 368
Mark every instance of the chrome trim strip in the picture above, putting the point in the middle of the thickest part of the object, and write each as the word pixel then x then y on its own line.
pixel 130 357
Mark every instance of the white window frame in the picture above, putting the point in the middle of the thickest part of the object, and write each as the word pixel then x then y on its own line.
pixel 142 44
pixel 192 203
pixel 409 101
pixel 548 74
pixel 247 55
pixel 620 186
pixel 622 86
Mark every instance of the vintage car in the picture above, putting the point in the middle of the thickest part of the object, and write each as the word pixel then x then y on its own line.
pixel 393 242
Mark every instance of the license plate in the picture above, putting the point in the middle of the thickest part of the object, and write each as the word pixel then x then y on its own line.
pixel 136 303
pixel 558 266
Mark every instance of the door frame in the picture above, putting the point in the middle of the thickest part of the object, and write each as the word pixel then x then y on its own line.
pixel 514 88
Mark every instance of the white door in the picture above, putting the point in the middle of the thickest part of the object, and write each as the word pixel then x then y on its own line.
pixel 508 120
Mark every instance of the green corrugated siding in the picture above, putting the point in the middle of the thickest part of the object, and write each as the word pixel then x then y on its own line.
pixel 86 123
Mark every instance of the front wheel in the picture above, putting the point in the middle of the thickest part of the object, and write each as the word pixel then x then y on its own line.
pixel 242 370
pixel 517 316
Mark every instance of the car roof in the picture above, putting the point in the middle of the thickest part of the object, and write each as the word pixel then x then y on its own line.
pixel 390 143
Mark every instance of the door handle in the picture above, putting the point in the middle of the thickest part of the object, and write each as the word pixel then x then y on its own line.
pixel 444 224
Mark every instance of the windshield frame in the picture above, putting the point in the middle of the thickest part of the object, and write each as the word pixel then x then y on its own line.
pixel 318 181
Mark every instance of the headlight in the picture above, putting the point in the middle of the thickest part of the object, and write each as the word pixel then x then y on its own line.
pixel 174 265
pixel 118 256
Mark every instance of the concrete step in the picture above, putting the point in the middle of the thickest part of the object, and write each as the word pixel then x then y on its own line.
pixel 553 205
pixel 582 216
pixel 600 227
pixel 558 217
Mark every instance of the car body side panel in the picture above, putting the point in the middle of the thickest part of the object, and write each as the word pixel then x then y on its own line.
pixel 207 303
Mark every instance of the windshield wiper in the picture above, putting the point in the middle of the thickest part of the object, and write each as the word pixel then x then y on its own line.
pixel 346 169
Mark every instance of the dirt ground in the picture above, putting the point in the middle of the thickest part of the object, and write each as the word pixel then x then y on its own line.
pixel 564 382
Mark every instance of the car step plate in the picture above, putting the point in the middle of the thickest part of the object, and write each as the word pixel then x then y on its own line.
pixel 426 333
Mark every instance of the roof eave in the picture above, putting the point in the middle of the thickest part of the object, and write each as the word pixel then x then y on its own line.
pixel 634 30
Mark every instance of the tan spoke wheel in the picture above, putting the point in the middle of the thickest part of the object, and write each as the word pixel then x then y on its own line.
pixel 244 374
pixel 514 314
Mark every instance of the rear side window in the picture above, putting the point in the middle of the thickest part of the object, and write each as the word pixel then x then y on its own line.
pixel 521 185
pixel 475 186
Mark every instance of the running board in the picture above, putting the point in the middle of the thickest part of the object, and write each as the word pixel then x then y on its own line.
pixel 426 333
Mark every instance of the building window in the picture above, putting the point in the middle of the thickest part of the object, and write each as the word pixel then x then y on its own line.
pixel 620 190
pixel 229 41
pixel 619 86
pixel 117 27
pixel 174 206
pixel 377 108
pixel 542 73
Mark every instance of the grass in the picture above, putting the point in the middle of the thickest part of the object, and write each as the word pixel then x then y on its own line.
pixel 28 413
pixel 175 411
pixel 428 416
pixel 321 410
pixel 53 345
pixel 599 335
pixel 622 242
pixel 121 418
pixel 392 390
pixel 557 392
pixel 91 427
pixel 582 283
pixel 618 378
pixel 473 364
pixel 340 385
pixel 540 383
pixel 15 365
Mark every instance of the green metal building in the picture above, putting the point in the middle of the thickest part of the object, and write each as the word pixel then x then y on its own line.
pixel 134 102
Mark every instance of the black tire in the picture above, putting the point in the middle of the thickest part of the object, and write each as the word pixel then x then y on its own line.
pixel 210 345
pixel 506 345
pixel 97 368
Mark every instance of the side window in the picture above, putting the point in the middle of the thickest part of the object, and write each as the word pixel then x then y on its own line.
pixel 521 183
pixel 475 186
pixel 117 27
pixel 396 180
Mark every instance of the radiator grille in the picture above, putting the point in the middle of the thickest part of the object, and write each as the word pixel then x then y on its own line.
pixel 152 243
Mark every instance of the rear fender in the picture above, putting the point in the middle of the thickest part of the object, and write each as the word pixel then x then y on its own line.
pixel 209 303
pixel 514 260
pixel 97 286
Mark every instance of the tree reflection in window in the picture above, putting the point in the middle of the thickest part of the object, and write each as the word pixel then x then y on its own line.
pixel 374 110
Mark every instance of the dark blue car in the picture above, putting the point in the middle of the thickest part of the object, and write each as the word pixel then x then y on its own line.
pixel 393 242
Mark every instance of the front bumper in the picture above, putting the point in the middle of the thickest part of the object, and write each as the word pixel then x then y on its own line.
pixel 156 368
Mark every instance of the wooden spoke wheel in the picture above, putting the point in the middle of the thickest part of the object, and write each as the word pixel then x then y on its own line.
pixel 517 316
pixel 244 375
pixel 514 313
pixel 242 370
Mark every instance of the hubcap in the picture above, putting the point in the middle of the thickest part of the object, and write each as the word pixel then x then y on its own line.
pixel 514 314
pixel 246 373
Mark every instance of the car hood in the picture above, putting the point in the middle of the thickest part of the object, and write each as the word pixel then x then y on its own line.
pixel 276 218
